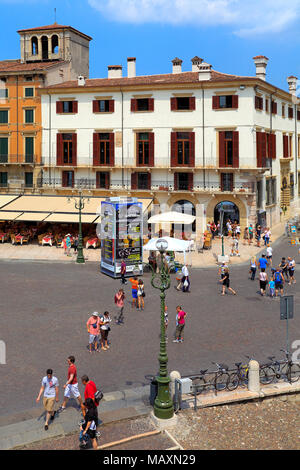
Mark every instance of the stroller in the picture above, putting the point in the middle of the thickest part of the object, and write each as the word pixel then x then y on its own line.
pixel 84 439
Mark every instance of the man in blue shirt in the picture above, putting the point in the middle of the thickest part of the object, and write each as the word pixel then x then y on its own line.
pixel 263 263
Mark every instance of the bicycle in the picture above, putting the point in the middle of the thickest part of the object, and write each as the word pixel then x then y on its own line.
pixel 238 377
pixel 266 373
pixel 286 368
pixel 221 377
pixel 217 380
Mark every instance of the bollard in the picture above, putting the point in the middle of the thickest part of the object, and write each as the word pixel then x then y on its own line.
pixel 253 377
pixel 173 375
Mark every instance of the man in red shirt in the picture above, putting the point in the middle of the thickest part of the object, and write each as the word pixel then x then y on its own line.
pixel 90 389
pixel 71 386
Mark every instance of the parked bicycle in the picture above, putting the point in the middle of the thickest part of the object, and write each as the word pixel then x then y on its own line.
pixel 284 369
pixel 238 377
pixel 215 380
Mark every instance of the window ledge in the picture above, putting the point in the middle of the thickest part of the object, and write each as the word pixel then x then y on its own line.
pixel 182 110
pixel 269 206
pixel 96 112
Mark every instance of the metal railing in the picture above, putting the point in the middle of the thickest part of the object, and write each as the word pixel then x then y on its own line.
pixel 13 159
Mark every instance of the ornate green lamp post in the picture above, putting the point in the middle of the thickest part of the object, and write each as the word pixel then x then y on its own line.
pixel 79 205
pixel 163 405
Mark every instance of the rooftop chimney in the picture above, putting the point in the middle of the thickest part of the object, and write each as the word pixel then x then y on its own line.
pixel 176 65
pixel 114 71
pixel 204 70
pixel 292 82
pixel 261 63
pixel 131 70
pixel 81 80
pixel 196 61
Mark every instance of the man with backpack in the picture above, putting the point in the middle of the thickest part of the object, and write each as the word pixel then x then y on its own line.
pixel 279 281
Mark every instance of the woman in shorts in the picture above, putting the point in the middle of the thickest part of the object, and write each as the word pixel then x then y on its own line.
pixel 263 279
pixel 89 427
pixel 141 295
pixel 226 282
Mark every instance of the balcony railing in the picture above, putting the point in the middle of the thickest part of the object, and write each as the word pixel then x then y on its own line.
pixel 18 159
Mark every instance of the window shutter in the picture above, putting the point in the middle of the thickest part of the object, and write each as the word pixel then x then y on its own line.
pixel 298 115
pixel 59 149
pixel 97 179
pixel 96 108
pixel 107 180
pixel 75 107
pixel 64 179
pixel 173 104
pixel 274 107
pixel 151 104
pixel 291 113
pixel 273 146
pixel 133 105
pixel 96 153
pixel 133 180
pixel 59 107
pixel 192 149
pixel 261 149
pixel 151 148
pixel 112 149
pixel 72 179
pixel 221 148
pixel 215 102
pixel 235 101
pixel 235 145
pixel 149 180
pixel 257 104
pixel 111 106
pixel 192 103
pixel 190 181
pixel 74 149
pixel 173 148
pixel 231 181
pixel 175 181
pixel 285 146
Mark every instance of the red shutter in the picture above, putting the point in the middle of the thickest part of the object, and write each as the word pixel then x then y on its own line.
pixel 291 113
pixel 257 103
pixel 285 146
pixel 235 145
pixel 298 115
pixel 59 107
pixel 221 148
pixel 192 148
pixel 235 101
pixel 96 108
pixel 149 180
pixel 175 181
pixel 192 103
pixel 96 152
pixel 190 181
pixel 133 105
pixel 111 106
pixel 72 179
pixel 133 180
pixel 258 150
pixel 173 148
pixel 151 104
pixel 74 149
pixel 273 146
pixel 274 107
pixel 59 149
pixel 151 149
pixel 112 149
pixel 173 102
pixel 75 107
pixel 64 179
pixel 97 179
pixel 215 102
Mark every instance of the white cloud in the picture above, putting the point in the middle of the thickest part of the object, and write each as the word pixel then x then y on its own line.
pixel 245 17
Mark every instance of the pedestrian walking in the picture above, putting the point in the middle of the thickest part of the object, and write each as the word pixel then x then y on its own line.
pixel 262 262
pixel 89 426
pixel 141 294
pixel 263 279
pixel 279 281
pixel 291 268
pixel 272 287
pixel 269 255
pixel 250 230
pixel 258 235
pixel 180 324
pixel 284 268
pixel 222 268
pixel 226 282
pixel 68 244
pixel 49 390
pixel 75 246
pixel 93 328
pixel 134 288
pixel 253 266
pixel 89 389
pixel 119 301
pixel 246 236
pixel 105 321
pixel 71 386
pixel 123 272
pixel 267 236
pixel 179 278
pixel 186 279
pixel 234 247
pixel 238 230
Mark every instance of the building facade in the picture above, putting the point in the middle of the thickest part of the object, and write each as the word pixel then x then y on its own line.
pixel 194 138
pixel 49 55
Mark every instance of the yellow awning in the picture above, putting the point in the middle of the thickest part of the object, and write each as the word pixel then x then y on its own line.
pixel 9 215
pixel 33 216
pixel 4 199
pixel 146 203
pixel 71 218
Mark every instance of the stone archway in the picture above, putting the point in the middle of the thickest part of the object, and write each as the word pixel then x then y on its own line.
pixel 235 200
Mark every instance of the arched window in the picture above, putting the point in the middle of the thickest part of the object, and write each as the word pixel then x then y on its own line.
pixel 54 44
pixel 226 211
pixel 44 47
pixel 34 46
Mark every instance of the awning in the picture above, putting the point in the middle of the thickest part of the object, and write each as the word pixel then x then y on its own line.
pixel 6 199
pixel 32 216
pixel 71 218
pixel 146 203
pixel 9 215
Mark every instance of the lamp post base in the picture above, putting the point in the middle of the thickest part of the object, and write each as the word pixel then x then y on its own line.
pixel 163 405
pixel 80 258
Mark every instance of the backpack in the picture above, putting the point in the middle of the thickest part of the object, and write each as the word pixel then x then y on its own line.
pixel 277 277
pixel 98 396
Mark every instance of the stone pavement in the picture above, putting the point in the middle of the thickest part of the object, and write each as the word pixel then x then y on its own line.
pixel 34 251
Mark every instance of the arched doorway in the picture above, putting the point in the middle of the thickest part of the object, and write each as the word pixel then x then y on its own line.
pixel 185 207
pixel 230 211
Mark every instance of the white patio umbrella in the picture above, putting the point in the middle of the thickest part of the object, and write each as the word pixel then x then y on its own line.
pixel 172 217
pixel 174 244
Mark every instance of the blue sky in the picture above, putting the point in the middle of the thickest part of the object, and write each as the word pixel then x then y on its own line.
pixel 225 33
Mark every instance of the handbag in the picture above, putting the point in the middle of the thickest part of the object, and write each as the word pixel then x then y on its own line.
pixel 186 283
pixel 98 396
pixel 143 294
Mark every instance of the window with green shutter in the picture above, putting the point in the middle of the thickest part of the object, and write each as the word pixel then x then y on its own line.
pixel 3 93
pixel 29 92
pixel 29 149
pixel 28 179
pixel 28 116
pixel 3 149
pixel 3 179
pixel 3 116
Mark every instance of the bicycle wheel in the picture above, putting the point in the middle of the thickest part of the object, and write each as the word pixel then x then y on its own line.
pixel 233 381
pixel 266 375
pixel 221 381
pixel 291 372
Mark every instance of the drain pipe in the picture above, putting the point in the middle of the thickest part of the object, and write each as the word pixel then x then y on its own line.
pixel 203 139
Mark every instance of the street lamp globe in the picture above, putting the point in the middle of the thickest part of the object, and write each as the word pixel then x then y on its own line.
pixel 161 244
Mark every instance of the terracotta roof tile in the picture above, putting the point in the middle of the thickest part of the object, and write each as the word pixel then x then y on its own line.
pixel 18 66
pixel 53 26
